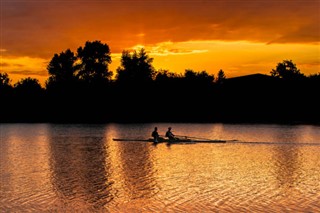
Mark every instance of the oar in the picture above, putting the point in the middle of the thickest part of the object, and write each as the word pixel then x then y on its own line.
pixel 192 137
pixel 202 138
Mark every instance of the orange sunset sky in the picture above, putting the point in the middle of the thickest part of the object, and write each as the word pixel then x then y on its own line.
pixel 239 37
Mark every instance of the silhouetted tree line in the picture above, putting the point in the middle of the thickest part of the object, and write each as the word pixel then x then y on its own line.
pixel 80 88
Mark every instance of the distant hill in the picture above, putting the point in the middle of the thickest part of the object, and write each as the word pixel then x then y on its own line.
pixel 251 79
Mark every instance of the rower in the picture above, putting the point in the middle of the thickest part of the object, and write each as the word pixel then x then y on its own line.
pixel 170 135
pixel 155 135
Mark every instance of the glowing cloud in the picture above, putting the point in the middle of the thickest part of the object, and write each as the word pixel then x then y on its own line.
pixel 22 67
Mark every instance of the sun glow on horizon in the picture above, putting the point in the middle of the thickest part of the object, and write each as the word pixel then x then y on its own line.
pixel 22 67
pixel 234 57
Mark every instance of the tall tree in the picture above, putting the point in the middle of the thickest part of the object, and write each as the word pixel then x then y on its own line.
pixel 62 69
pixel 136 67
pixel 287 70
pixel 94 61
pixel 221 77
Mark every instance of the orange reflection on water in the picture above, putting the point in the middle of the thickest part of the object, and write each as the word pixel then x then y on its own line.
pixel 25 166
pixel 66 167
pixel 131 160
pixel 80 172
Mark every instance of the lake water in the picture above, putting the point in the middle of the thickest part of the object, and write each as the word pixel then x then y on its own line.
pixel 79 168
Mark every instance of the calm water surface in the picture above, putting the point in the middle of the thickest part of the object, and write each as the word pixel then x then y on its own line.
pixel 68 168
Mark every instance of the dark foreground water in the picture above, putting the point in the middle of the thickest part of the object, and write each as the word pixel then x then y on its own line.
pixel 79 168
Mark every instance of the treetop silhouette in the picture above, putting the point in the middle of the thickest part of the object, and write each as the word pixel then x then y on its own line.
pixel 94 61
pixel 287 70
pixel 136 68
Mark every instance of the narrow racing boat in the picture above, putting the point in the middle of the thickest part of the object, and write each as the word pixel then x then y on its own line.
pixel 178 140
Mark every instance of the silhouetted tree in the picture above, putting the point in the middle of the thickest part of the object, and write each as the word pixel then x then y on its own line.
pixel 287 70
pixel 28 103
pixel 200 78
pixel 62 69
pixel 221 77
pixel 30 86
pixel 136 68
pixel 5 88
pixel 197 88
pixel 5 97
pixel 95 58
pixel 163 76
pixel 315 76
pixel 313 83
pixel 168 83
pixel 5 81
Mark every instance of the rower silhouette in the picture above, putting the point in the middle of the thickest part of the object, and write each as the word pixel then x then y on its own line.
pixel 155 135
pixel 170 135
